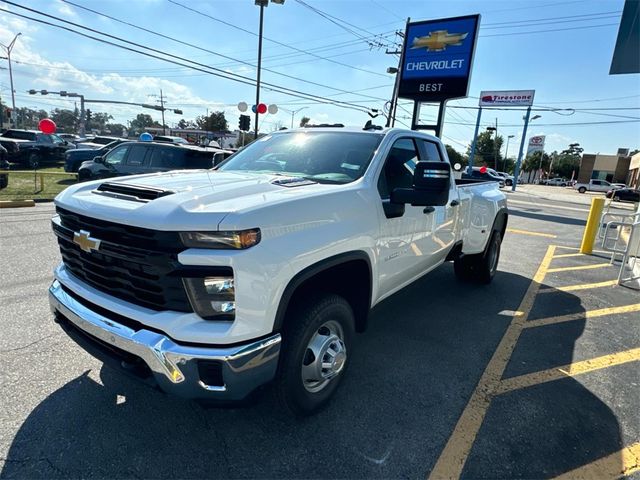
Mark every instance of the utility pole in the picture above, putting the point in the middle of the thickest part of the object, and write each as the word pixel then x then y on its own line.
pixel 495 147
pixel 391 117
pixel 259 68
pixel 13 95
pixel 162 106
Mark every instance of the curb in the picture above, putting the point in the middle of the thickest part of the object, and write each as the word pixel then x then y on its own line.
pixel 17 203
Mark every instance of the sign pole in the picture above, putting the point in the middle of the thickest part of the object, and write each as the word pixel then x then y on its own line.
pixel 440 124
pixel 473 145
pixel 516 173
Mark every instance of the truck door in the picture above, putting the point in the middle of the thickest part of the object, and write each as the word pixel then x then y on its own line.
pixel 404 247
pixel 444 219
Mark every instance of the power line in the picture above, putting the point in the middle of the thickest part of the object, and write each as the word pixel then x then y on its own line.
pixel 551 30
pixel 181 42
pixel 198 12
pixel 547 20
pixel 198 66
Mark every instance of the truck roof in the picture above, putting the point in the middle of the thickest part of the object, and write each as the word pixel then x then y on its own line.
pixel 338 129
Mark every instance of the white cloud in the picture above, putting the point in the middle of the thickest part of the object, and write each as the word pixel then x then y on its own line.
pixel 65 10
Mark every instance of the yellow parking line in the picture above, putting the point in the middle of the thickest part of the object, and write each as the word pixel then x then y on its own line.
pixel 578 249
pixel 527 232
pixel 570 370
pixel 583 315
pixel 455 453
pixel 582 286
pixel 565 255
pixel 580 267
pixel 617 465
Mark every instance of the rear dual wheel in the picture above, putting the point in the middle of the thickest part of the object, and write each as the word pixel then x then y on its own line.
pixel 482 267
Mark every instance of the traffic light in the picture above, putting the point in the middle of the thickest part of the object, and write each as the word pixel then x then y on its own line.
pixel 177 111
pixel 244 123
pixel 88 115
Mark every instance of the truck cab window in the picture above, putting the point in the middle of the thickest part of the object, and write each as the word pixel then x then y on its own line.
pixel 397 171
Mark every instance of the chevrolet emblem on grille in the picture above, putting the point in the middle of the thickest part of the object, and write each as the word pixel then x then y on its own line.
pixel 85 242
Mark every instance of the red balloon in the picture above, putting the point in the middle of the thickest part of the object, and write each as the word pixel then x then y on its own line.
pixel 483 169
pixel 262 108
pixel 47 125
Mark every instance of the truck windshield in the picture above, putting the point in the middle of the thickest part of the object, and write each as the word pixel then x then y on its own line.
pixel 323 157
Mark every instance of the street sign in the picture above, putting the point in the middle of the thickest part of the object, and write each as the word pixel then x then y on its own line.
pixel 437 58
pixel 507 98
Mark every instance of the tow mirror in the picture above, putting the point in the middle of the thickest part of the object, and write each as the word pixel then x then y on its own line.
pixel 431 183
pixel 218 158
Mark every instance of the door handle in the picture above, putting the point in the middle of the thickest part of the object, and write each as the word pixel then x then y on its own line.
pixel 454 203
pixel 429 209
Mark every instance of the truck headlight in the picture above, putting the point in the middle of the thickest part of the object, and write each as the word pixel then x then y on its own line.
pixel 213 298
pixel 222 240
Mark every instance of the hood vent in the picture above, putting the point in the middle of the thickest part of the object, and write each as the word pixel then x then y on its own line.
pixel 136 193
pixel 293 182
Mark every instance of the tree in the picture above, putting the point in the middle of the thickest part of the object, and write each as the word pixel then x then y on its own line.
pixel 99 120
pixel 532 162
pixel 486 150
pixel 115 129
pixel 304 121
pixel 142 121
pixel 215 122
pixel 28 117
pixel 455 156
pixel 66 120
pixel 185 124
pixel 566 164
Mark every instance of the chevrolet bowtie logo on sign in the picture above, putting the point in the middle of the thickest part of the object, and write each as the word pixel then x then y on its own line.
pixel 439 40
pixel 85 242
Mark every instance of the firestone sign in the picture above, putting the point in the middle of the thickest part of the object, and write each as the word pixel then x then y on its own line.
pixel 507 98
pixel 438 55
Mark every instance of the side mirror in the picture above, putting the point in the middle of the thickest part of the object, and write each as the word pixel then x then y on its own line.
pixel 98 159
pixel 431 183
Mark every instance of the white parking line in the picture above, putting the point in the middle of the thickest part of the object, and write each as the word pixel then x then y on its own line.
pixel 536 205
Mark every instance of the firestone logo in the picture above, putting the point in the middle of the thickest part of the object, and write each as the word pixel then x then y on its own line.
pixel 505 98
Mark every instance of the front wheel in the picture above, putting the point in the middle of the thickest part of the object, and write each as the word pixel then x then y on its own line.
pixel 582 189
pixel 317 342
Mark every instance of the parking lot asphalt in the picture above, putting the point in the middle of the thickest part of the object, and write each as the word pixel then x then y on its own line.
pixel 533 376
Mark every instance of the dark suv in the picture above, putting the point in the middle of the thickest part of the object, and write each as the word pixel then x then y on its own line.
pixel 134 158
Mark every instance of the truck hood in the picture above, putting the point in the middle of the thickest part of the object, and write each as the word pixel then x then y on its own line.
pixel 191 199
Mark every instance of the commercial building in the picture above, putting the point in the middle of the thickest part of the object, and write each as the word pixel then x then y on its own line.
pixel 634 171
pixel 612 168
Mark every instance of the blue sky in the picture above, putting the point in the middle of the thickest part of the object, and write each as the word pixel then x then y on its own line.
pixel 567 64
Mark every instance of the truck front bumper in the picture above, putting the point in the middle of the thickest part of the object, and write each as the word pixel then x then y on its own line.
pixel 195 372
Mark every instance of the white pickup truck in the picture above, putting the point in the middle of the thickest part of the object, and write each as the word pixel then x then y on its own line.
pixel 595 185
pixel 208 284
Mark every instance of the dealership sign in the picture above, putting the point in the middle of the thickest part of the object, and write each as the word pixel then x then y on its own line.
pixel 437 58
pixel 536 144
pixel 507 98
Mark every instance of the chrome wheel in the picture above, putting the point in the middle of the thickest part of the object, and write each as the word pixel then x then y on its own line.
pixel 325 356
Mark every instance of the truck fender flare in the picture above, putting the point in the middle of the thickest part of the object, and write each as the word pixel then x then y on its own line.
pixel 500 223
pixel 313 270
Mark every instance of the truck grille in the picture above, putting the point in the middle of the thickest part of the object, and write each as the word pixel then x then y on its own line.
pixel 134 264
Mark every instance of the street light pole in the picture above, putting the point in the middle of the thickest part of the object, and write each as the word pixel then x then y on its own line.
pixel 164 132
pixel 262 5
pixel 293 113
pixel 506 152
pixel 13 95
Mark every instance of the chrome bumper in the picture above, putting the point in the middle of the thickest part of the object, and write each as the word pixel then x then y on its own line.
pixel 172 367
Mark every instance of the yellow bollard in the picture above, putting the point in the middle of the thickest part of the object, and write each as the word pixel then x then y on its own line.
pixel 593 224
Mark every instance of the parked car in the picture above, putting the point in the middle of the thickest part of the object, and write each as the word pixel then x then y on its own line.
pixel 624 195
pixel 31 148
pixel 168 139
pixel 488 175
pixel 556 182
pixel 74 158
pixel 69 137
pixel 4 165
pixel 211 284
pixel 132 158
pixel 98 142
pixel 595 185
pixel 508 179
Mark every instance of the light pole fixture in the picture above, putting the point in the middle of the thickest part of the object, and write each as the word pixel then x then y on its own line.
pixel 506 152
pixel 8 48
pixel 293 113
pixel 261 4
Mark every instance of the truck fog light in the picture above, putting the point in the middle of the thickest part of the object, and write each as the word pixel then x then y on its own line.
pixel 224 307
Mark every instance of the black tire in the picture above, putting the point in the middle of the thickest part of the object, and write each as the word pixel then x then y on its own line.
pixel 303 323
pixel 33 161
pixel 480 268
pixel 508 183
pixel 582 190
